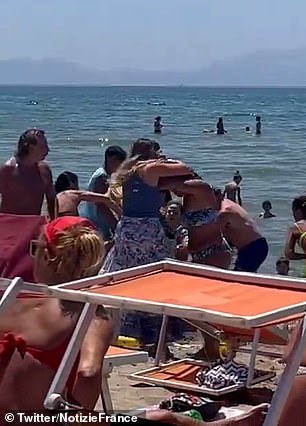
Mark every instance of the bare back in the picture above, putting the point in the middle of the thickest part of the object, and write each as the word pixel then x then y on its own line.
pixel 40 322
pixel 22 188
pixel 237 226
pixel 68 202
pixel 232 191
pixel 200 197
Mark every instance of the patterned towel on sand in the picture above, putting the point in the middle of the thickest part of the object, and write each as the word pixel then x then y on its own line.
pixel 222 374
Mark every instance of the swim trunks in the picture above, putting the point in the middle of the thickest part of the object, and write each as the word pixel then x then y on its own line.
pixel 251 256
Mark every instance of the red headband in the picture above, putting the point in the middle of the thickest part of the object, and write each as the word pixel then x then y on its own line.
pixel 63 223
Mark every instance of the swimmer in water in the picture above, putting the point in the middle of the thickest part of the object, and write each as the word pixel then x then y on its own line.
pixel 248 130
pixel 220 127
pixel 158 125
pixel 267 207
pixel 258 125
pixel 282 266
pixel 232 189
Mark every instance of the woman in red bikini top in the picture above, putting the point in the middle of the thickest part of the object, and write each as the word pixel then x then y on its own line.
pixel 34 332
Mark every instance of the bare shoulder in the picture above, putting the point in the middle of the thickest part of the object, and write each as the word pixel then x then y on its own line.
pixel 44 166
pixel 197 183
pixel 228 207
pixel 231 185
pixel 8 167
pixel 12 162
pixel 45 170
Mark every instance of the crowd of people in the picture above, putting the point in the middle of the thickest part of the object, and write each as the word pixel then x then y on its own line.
pixel 146 207
pixel 127 217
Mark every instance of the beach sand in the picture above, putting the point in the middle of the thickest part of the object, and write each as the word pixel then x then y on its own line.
pixel 128 394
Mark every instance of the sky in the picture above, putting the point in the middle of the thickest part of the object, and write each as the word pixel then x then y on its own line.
pixel 146 34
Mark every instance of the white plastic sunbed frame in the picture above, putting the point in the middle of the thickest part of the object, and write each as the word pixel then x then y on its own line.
pixel 72 291
pixel 129 356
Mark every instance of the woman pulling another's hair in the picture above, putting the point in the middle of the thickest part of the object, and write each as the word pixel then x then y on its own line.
pixel 34 332
pixel 69 196
pixel 139 237
pixel 297 233
pixel 206 242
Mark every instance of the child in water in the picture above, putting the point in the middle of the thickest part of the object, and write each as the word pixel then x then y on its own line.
pixel 267 207
pixel 282 266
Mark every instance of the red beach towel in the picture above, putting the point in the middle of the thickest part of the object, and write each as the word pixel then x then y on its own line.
pixel 16 233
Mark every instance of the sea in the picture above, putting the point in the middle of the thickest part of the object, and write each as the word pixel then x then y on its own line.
pixel 80 122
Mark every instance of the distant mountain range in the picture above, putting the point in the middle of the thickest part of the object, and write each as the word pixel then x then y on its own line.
pixel 262 68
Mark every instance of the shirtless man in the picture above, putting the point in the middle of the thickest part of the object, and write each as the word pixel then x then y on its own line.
pixel 232 189
pixel 69 196
pixel 25 178
pixel 241 231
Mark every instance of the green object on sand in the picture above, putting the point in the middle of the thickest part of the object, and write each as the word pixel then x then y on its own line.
pixel 194 414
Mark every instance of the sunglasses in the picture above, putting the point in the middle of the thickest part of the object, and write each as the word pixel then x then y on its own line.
pixel 34 244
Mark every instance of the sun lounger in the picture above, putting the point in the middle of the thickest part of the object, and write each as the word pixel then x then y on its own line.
pixel 225 298
pixel 116 357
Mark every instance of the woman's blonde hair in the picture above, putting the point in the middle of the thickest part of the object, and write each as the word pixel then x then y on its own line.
pixel 76 252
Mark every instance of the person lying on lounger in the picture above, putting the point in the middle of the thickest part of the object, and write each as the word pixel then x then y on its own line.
pixel 34 332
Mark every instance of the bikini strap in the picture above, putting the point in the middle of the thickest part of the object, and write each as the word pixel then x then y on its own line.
pixel 298 227
pixel 8 345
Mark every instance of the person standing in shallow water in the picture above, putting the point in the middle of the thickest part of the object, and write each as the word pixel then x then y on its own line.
pixel 25 179
pixel 158 125
pixel 258 125
pixel 220 127
pixel 232 189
